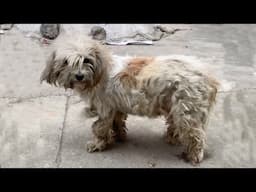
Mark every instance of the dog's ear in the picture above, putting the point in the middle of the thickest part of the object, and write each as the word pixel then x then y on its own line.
pixel 102 56
pixel 49 75
pixel 99 54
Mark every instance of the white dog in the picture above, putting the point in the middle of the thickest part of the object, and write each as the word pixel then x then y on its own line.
pixel 146 86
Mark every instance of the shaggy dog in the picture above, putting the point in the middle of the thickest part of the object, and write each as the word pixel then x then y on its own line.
pixel 166 86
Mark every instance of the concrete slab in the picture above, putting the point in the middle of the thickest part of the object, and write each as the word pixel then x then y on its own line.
pixel 21 63
pixel 30 132
pixel 231 132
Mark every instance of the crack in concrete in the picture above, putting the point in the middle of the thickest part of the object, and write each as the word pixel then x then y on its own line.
pixel 58 156
pixel 19 100
pixel 238 90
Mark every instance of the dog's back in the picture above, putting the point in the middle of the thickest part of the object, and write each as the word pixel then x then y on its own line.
pixel 143 85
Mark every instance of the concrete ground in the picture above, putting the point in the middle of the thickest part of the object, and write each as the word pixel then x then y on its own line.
pixel 43 126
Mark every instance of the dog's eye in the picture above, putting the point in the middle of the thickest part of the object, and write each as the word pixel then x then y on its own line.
pixel 65 62
pixel 86 60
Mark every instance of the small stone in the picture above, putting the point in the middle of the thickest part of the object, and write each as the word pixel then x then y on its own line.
pixel 6 26
pixel 45 41
pixel 98 33
pixel 151 164
pixel 50 31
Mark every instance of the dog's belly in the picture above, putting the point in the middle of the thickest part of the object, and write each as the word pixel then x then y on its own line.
pixel 151 97
pixel 141 106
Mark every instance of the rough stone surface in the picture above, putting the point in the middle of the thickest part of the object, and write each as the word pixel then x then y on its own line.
pixel 30 131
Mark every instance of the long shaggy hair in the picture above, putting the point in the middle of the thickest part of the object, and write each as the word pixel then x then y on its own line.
pixel 169 86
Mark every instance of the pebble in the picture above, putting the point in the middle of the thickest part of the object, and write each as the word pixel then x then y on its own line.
pixel 152 164
pixel 50 31
pixel 98 33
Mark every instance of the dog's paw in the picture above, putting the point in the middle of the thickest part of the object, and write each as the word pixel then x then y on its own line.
pixel 120 134
pixel 93 146
pixel 172 140
pixel 193 157
pixel 89 112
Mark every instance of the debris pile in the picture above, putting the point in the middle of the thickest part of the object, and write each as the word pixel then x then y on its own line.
pixel 140 38
pixel 46 33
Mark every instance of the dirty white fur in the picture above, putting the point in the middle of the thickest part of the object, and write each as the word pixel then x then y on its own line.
pixel 119 64
pixel 171 86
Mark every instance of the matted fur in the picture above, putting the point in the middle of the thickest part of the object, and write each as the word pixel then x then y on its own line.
pixel 166 86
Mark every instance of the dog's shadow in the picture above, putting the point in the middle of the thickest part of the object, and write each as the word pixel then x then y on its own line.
pixel 144 143
pixel 151 145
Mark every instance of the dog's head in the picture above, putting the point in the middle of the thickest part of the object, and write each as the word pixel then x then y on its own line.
pixel 76 62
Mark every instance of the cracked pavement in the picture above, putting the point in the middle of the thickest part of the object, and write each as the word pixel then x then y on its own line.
pixel 44 126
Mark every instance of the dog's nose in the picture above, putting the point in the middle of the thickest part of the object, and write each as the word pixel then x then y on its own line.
pixel 79 77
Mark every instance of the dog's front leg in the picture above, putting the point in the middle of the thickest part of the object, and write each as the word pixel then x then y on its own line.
pixel 103 134
pixel 91 111
pixel 119 126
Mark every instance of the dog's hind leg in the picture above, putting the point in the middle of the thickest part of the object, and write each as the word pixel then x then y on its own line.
pixel 194 139
pixel 172 135
pixel 186 126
